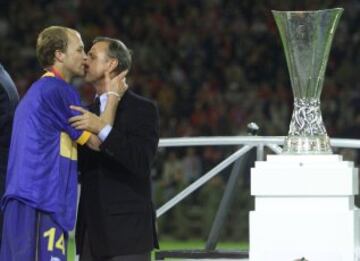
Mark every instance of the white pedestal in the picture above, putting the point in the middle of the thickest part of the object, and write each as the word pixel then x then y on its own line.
pixel 304 208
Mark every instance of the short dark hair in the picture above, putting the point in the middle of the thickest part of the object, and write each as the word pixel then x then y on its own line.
pixel 118 50
pixel 49 40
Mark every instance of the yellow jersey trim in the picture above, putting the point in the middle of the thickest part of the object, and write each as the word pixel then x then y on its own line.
pixel 84 137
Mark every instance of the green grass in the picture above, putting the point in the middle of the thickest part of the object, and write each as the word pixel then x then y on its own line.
pixel 71 249
pixel 176 245
pixel 198 244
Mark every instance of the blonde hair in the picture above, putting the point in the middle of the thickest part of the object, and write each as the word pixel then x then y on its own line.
pixel 49 40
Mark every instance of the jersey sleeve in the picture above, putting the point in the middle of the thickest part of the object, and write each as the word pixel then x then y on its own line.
pixel 58 97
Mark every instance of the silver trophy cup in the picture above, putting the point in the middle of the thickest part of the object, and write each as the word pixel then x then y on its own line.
pixel 307 38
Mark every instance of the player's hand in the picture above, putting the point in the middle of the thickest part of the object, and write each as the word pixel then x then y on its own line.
pixel 117 84
pixel 86 121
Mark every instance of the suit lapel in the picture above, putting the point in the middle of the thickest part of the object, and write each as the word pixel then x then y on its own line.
pixel 122 113
pixel 124 100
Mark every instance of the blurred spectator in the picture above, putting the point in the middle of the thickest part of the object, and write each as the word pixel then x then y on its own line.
pixel 212 66
pixel 191 166
pixel 173 175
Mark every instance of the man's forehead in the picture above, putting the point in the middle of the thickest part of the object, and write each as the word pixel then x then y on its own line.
pixel 99 47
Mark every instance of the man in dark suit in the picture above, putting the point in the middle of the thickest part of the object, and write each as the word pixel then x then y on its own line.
pixel 116 218
pixel 8 100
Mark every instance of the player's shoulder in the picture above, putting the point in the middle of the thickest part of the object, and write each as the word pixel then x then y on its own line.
pixel 53 85
pixel 52 82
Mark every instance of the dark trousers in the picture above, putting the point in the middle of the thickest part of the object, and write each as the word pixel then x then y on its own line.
pixel 86 254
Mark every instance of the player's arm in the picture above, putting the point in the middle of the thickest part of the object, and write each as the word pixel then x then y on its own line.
pixel 58 96
pixel 87 121
pixel 94 142
pixel 90 122
pixel 91 140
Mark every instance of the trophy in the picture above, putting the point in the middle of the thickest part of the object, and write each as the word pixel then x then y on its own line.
pixel 307 38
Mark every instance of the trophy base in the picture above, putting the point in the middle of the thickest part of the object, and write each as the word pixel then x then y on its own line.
pixel 319 144
pixel 304 209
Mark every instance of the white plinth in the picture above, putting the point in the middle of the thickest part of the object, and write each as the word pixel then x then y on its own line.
pixel 304 208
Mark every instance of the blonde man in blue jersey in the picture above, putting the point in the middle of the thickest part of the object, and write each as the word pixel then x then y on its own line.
pixel 41 184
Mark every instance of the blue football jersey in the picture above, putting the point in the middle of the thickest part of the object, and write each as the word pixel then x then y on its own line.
pixel 42 167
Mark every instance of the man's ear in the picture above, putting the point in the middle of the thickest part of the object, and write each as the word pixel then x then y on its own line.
pixel 113 63
pixel 59 56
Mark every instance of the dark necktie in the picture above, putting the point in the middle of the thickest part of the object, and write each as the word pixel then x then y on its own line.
pixel 96 106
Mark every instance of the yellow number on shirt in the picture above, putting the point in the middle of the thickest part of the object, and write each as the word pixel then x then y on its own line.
pixel 60 243
pixel 51 234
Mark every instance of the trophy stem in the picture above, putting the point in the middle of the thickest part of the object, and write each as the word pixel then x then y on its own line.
pixel 307 134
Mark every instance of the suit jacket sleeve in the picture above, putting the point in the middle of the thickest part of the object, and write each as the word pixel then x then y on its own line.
pixel 7 108
pixel 4 107
pixel 8 101
pixel 135 146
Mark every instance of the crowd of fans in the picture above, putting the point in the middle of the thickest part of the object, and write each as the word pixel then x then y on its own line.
pixel 211 65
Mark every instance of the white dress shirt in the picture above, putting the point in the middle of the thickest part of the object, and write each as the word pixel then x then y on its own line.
pixel 104 133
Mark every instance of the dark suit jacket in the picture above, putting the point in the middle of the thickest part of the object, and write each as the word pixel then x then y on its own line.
pixel 115 203
pixel 8 101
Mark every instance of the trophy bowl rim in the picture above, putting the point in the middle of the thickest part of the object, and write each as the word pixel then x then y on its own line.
pixel 340 9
